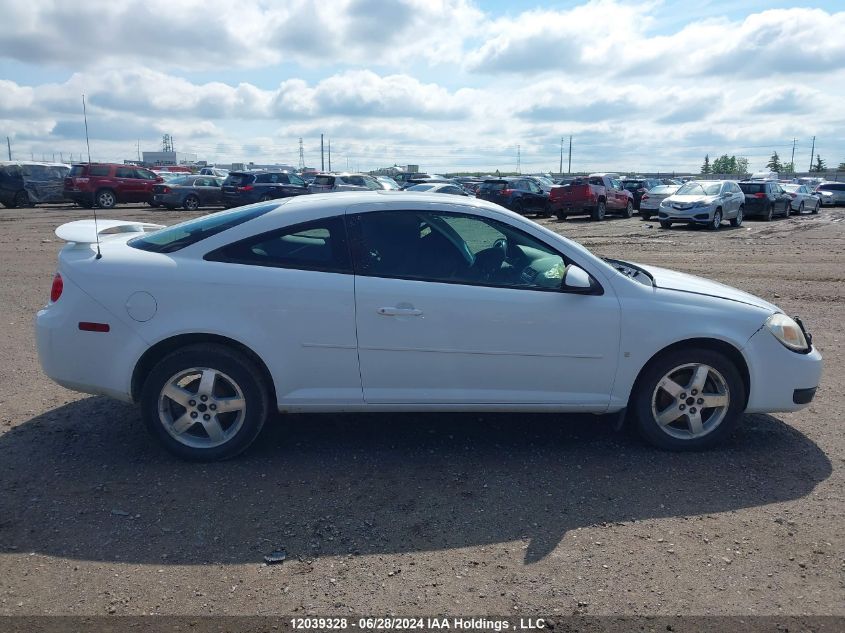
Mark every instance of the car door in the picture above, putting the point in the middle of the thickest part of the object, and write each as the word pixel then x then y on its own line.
pixel 296 285
pixel 127 185
pixel 450 311
pixel 538 199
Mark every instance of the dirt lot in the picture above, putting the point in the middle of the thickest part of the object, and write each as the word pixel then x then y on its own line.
pixel 412 514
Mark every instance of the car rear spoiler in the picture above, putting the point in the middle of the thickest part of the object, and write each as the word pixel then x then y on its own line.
pixel 84 232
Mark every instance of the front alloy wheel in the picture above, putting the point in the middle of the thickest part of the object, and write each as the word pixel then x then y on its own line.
pixel 717 221
pixel 688 399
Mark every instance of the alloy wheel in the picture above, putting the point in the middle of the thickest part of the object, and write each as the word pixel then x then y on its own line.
pixel 201 407
pixel 690 401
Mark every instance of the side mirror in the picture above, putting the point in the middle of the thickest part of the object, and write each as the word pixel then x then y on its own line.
pixel 576 279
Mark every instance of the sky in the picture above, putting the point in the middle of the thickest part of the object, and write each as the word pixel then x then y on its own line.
pixel 450 85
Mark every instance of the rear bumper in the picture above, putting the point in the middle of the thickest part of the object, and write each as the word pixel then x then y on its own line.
pixel 167 198
pixel 566 207
pixel 79 197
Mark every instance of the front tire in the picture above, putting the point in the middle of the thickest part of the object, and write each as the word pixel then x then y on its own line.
pixel 205 402
pixel 191 203
pixel 801 208
pixel 716 222
pixel 769 213
pixel 688 399
pixel 816 209
pixel 645 215
pixel 629 210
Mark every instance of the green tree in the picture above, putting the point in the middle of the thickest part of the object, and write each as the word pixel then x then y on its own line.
pixel 705 168
pixel 819 165
pixel 774 163
pixel 741 165
pixel 722 165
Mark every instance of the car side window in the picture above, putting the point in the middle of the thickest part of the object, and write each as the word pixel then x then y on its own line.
pixel 319 245
pixel 296 180
pixel 125 172
pixel 455 248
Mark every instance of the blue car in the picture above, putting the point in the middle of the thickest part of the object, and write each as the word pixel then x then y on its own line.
pixel 246 187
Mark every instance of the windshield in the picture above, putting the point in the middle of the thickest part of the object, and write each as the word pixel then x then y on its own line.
pixel 700 189
pixel 181 235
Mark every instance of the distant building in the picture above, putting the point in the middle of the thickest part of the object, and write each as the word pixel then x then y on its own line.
pixel 154 159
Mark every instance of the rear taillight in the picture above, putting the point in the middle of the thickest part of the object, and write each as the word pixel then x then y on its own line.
pixel 88 326
pixel 245 188
pixel 56 288
pixel 507 192
pixel 165 190
pixel 645 197
pixel 759 195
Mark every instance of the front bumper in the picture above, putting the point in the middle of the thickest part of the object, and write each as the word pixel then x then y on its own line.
pixel 699 215
pixel 781 380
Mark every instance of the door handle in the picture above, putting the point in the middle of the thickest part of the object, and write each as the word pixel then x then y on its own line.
pixel 399 312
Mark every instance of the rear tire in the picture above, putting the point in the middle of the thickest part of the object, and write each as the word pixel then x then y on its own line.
pixel 21 200
pixel 769 212
pixel 737 221
pixel 547 210
pixel 645 215
pixel 599 212
pixel 184 395
pixel 105 199
pixel 700 376
pixel 801 208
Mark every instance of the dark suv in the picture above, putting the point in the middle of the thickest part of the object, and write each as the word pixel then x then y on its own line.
pixel 25 184
pixel 765 198
pixel 638 186
pixel 246 187
pixel 106 184
pixel 517 194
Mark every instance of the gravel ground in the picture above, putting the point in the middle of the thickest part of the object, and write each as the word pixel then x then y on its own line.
pixel 424 514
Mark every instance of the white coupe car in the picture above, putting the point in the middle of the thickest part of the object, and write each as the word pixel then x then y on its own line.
pixel 389 301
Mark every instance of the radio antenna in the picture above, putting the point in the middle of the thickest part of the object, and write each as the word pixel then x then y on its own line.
pixel 94 207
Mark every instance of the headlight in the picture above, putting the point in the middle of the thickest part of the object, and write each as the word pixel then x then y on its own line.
pixel 666 202
pixel 788 332
pixel 699 204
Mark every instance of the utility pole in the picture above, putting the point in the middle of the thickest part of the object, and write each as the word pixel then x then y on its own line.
pixel 61 158
pixel 330 154
pixel 518 160
pixel 560 171
pixel 301 156
pixel 9 147
pixel 812 151
pixel 139 150
pixel 792 160
pixel 569 165
pixel 322 156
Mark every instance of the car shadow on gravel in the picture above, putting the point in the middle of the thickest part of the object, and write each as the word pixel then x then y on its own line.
pixel 85 481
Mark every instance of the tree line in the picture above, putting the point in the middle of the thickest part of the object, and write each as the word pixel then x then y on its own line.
pixel 732 165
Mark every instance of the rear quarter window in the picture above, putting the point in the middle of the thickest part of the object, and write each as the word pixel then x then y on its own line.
pixel 179 236
pixel 99 170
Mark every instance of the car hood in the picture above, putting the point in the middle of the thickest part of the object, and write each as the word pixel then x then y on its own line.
pixel 682 282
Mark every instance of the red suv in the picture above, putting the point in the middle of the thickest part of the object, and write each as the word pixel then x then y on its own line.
pixel 106 184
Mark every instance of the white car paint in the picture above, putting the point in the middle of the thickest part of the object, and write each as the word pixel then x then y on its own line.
pixel 443 346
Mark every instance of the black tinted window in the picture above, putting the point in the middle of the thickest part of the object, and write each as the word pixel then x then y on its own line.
pixel 318 245
pixel 832 187
pixel 492 186
pixel 181 235
pixel 125 172
pixel 753 187
pixel 99 170
pixel 452 248
pixel 238 180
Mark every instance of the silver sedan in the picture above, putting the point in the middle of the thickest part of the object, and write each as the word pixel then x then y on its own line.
pixel 802 198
